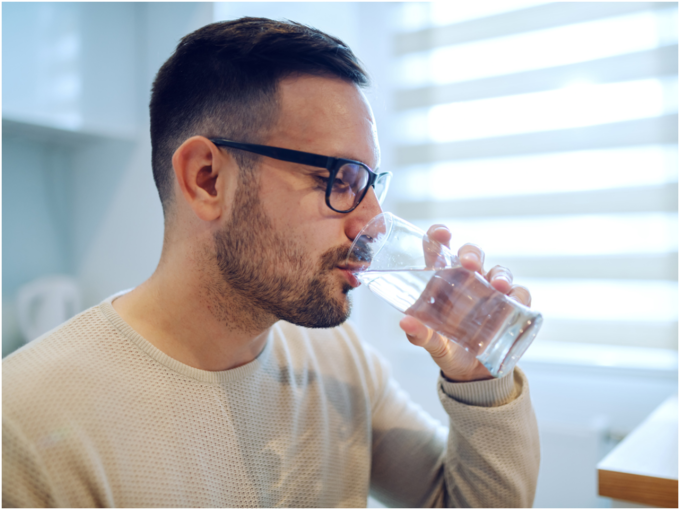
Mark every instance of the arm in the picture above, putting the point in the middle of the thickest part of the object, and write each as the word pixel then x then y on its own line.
pixel 493 447
pixel 490 458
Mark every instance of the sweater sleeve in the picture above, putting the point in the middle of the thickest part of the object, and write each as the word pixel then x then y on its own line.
pixel 489 457
pixel 24 478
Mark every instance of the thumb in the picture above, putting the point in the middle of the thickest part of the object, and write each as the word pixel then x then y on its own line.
pixel 422 336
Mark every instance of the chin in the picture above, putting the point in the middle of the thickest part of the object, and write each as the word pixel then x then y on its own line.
pixel 343 309
pixel 347 306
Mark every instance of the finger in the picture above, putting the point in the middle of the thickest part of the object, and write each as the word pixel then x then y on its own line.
pixel 472 257
pixel 422 336
pixel 437 235
pixel 520 294
pixel 456 363
pixel 500 279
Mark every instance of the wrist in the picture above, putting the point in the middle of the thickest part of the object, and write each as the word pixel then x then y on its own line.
pixel 495 392
pixel 458 378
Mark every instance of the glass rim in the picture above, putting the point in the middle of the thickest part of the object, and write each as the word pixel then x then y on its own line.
pixel 388 217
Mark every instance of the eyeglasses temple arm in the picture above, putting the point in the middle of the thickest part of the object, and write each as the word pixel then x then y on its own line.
pixel 304 158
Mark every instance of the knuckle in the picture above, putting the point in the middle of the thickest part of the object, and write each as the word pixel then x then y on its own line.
pixel 467 247
pixel 438 353
pixel 501 271
pixel 471 248
pixel 440 349
pixel 521 294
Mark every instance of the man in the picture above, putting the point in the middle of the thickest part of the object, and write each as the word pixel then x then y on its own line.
pixel 230 377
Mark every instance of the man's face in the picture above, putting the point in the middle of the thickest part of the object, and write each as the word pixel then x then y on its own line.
pixel 282 246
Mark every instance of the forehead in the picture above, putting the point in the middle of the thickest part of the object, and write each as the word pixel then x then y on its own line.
pixel 326 116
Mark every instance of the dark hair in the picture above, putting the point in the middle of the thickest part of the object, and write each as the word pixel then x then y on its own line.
pixel 222 82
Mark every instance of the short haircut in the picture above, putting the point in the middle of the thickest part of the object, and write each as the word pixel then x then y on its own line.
pixel 222 82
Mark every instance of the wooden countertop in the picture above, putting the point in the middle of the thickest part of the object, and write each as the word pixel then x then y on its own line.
pixel 643 468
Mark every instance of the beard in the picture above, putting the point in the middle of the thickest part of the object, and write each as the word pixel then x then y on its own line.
pixel 266 275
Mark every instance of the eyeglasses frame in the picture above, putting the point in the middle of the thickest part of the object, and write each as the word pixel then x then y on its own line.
pixel 307 158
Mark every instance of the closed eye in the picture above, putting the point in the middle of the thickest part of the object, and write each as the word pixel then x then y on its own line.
pixel 339 186
pixel 321 181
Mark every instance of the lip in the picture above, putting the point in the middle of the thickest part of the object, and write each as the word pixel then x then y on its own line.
pixel 349 274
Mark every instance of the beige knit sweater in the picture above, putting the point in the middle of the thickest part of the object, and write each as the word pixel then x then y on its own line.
pixel 94 415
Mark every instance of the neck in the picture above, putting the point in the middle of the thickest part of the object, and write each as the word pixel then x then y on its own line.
pixel 191 317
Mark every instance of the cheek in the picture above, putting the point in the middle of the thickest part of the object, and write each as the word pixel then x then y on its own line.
pixel 311 238
pixel 301 216
pixel 284 200
pixel 314 238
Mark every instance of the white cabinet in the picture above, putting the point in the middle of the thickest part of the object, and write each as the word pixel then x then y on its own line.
pixel 72 66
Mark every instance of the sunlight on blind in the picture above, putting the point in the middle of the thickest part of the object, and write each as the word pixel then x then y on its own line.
pixel 593 299
pixel 572 106
pixel 540 173
pixel 538 49
pixel 420 15
pixel 554 148
pixel 577 234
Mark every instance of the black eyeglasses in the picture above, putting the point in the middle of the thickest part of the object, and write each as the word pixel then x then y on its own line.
pixel 348 180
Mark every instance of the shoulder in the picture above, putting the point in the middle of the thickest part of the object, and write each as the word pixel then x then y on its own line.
pixel 73 359
pixel 75 337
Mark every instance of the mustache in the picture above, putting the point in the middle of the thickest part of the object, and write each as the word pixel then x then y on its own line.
pixel 334 257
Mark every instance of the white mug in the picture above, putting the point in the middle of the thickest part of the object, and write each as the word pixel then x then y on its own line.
pixel 45 303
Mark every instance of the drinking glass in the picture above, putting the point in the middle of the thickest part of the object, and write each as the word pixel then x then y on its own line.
pixel 423 278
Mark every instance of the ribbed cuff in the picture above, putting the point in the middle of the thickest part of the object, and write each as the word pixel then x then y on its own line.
pixel 488 393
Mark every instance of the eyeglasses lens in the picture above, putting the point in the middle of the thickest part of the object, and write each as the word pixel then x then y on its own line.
pixel 348 186
pixel 381 185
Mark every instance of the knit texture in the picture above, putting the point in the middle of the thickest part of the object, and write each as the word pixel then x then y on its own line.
pixel 94 415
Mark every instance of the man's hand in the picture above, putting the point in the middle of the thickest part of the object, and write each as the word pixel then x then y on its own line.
pixel 456 363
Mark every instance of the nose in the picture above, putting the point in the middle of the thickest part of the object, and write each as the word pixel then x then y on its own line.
pixel 365 211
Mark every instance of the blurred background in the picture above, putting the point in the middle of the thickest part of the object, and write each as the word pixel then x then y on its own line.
pixel 546 133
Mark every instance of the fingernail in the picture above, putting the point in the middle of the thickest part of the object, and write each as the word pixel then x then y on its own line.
pixel 472 257
pixel 442 231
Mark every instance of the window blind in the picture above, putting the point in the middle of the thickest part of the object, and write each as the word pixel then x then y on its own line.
pixel 547 133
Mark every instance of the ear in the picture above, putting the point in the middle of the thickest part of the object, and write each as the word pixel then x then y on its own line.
pixel 200 169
